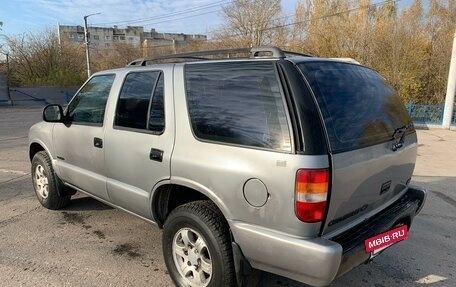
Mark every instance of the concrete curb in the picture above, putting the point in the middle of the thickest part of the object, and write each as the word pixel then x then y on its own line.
pixel 421 126
pixel 5 103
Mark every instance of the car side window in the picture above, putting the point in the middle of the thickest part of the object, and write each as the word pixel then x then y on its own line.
pixel 140 104
pixel 237 103
pixel 157 109
pixel 88 106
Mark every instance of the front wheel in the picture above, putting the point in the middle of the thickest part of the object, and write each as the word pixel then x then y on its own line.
pixel 46 183
pixel 197 246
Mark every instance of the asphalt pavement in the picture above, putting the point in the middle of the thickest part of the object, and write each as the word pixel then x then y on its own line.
pixel 91 244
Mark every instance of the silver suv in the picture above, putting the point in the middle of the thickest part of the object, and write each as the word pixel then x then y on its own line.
pixel 283 162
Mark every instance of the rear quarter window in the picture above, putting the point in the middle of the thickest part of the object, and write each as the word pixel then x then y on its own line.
pixel 358 106
pixel 237 103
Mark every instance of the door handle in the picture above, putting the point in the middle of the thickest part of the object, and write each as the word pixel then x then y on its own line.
pixel 97 142
pixel 156 154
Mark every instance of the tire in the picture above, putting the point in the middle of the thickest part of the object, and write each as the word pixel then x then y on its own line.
pixel 46 183
pixel 197 246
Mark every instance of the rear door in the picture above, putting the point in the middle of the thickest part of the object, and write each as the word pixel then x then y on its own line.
pixel 140 139
pixel 371 139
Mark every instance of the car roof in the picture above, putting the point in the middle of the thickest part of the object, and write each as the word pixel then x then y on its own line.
pixel 249 54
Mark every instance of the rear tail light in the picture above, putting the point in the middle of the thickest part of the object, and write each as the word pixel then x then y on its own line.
pixel 311 192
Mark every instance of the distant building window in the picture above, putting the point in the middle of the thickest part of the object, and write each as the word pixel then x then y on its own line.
pixel 122 38
pixel 80 36
pixel 115 38
pixel 96 37
pixel 106 37
pixel 71 36
pixel 130 38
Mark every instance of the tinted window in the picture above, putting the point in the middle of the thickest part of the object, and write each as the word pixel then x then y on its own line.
pixel 237 103
pixel 359 108
pixel 88 106
pixel 134 103
pixel 157 109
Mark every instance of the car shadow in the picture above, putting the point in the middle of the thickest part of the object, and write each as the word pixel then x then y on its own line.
pixel 86 204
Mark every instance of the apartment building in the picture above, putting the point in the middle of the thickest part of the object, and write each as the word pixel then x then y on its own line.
pixel 104 38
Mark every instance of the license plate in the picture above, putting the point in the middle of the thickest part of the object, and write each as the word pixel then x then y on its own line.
pixel 378 243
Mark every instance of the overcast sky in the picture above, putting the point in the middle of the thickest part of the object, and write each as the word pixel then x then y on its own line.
pixel 188 16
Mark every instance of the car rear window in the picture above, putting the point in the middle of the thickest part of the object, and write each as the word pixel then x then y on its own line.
pixel 358 106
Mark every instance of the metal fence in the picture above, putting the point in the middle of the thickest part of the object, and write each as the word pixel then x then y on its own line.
pixel 40 96
pixel 428 114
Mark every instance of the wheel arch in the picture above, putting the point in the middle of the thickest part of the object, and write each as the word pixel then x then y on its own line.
pixel 36 147
pixel 170 195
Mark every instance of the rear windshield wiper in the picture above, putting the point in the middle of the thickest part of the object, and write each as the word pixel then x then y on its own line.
pixel 398 137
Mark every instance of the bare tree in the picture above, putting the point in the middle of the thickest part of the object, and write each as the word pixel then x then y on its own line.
pixel 250 22
pixel 39 59
pixel 120 54
pixel 440 27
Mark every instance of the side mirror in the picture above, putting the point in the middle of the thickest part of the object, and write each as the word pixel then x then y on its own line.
pixel 53 113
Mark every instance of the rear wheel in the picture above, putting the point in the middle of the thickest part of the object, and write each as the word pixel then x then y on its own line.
pixel 47 184
pixel 197 246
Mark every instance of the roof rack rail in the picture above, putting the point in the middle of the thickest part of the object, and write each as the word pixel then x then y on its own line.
pixel 255 52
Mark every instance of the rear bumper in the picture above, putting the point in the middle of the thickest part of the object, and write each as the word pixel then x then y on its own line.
pixel 318 261
pixel 401 212
pixel 314 261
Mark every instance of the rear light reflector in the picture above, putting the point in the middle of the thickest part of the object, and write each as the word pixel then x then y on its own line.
pixel 310 211
pixel 311 193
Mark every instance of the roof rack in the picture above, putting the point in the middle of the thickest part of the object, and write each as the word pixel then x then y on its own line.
pixel 255 52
